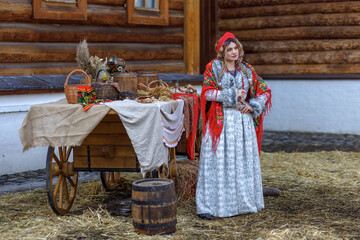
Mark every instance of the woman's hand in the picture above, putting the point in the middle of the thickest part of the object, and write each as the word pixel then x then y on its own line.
pixel 245 108
pixel 240 94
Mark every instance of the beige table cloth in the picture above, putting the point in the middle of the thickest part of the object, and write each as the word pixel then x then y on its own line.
pixel 63 124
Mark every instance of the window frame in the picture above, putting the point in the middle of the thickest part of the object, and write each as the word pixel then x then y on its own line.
pixel 148 16
pixel 60 10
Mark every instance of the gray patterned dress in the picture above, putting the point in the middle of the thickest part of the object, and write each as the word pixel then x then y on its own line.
pixel 229 182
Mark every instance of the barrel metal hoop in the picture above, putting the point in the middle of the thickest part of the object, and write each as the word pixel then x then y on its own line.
pixel 153 202
pixel 155 226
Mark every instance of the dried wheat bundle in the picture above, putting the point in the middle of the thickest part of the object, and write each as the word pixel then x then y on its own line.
pixel 83 56
pixel 92 65
pixel 159 91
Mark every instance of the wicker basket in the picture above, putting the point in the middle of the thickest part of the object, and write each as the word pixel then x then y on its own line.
pixel 104 90
pixel 145 77
pixel 156 83
pixel 71 91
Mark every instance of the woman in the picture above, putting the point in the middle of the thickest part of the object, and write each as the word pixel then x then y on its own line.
pixel 234 100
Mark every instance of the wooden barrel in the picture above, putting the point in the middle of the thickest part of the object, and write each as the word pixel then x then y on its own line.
pixel 145 77
pixel 126 81
pixel 154 206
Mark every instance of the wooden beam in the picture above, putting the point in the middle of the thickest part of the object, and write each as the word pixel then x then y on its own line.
pixel 300 45
pixel 335 19
pixel 64 68
pixel 290 9
pixel 252 3
pixel 66 52
pixel 97 151
pixel 313 57
pixel 322 32
pixel 106 163
pixel 19 32
pixel 308 69
pixel 192 36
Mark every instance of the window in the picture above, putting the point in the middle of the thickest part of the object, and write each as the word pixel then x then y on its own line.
pixel 148 12
pixel 150 4
pixel 60 9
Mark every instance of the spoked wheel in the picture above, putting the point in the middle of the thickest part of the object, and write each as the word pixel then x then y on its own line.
pixel 61 179
pixel 110 180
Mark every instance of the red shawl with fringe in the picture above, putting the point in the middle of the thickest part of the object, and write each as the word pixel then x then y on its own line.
pixel 215 113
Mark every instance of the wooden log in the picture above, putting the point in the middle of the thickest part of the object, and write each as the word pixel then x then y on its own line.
pixel 62 68
pixel 160 66
pixel 300 45
pixel 336 19
pixel 19 32
pixel 176 18
pixel 308 69
pixel 21 11
pixel 107 2
pixel 12 10
pixel 290 9
pixel 323 32
pixel 66 52
pixel 176 5
pixel 252 3
pixel 105 15
pixel 313 57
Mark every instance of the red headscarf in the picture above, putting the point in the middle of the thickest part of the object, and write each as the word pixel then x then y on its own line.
pixel 225 37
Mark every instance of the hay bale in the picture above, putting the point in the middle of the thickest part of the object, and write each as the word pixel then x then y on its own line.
pixel 186 187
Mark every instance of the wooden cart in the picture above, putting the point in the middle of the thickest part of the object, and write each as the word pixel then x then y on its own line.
pixel 106 149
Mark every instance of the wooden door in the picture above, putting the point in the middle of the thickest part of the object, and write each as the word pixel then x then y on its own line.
pixel 208 31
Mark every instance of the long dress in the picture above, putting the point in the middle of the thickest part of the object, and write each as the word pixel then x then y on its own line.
pixel 229 181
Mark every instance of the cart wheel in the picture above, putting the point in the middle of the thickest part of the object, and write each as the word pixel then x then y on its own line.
pixel 61 180
pixel 110 180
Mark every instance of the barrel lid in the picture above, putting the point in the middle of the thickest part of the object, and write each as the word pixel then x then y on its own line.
pixel 152 183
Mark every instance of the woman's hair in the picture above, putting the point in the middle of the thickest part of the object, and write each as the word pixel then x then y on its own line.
pixel 221 55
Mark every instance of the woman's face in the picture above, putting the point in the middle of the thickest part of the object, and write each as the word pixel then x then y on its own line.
pixel 232 52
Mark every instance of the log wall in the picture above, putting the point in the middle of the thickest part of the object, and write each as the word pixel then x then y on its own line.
pixel 295 36
pixel 34 46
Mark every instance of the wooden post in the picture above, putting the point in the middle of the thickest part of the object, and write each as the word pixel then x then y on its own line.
pixel 192 36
